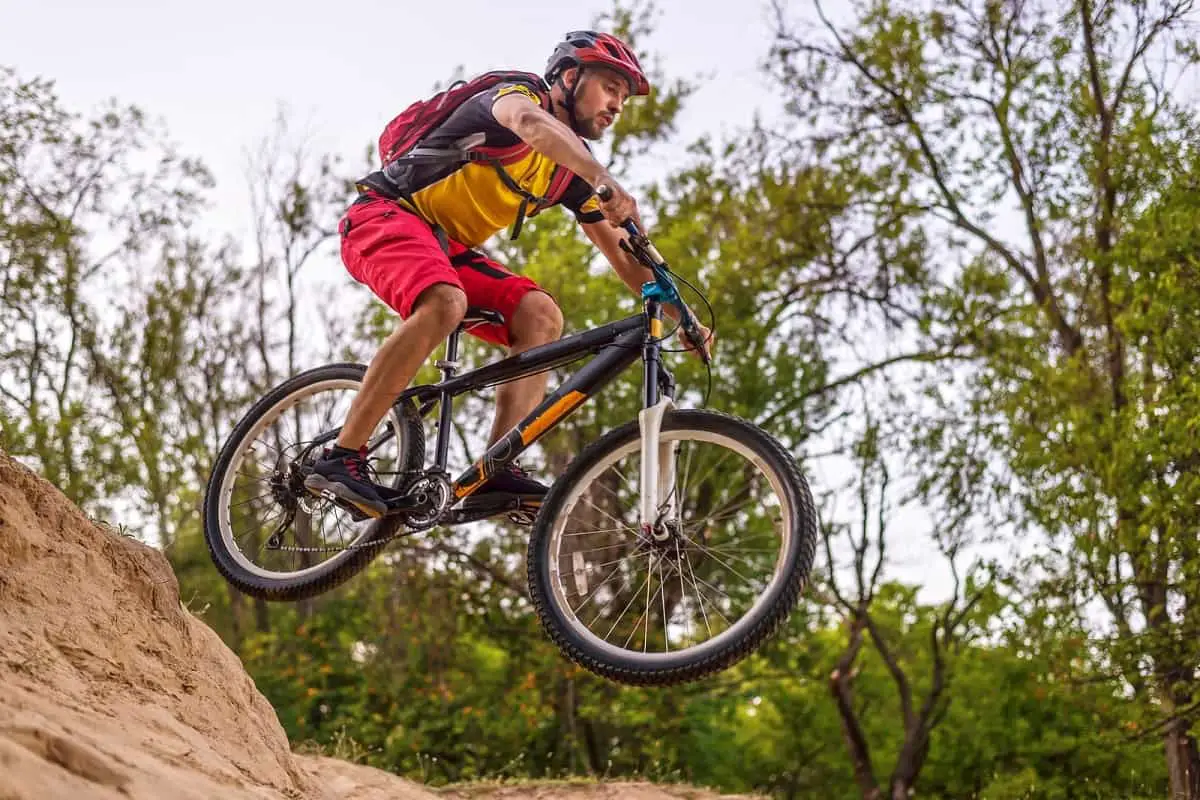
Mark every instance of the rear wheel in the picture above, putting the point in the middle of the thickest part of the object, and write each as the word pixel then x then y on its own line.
pixel 728 569
pixel 267 535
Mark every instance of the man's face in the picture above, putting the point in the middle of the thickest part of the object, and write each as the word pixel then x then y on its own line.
pixel 600 97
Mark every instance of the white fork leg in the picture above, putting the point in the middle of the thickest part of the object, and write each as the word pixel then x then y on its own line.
pixel 657 458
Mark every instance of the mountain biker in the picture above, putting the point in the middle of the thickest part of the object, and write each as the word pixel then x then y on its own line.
pixel 410 237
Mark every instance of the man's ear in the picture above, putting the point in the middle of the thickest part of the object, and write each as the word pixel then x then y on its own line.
pixel 569 76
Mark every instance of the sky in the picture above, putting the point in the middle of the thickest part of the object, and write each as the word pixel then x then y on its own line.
pixel 217 73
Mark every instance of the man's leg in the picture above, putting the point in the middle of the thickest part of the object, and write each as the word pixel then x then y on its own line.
pixel 435 315
pixel 398 257
pixel 340 472
pixel 531 318
pixel 537 321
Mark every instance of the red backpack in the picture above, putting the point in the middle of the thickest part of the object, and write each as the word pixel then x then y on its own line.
pixel 407 129
pixel 404 133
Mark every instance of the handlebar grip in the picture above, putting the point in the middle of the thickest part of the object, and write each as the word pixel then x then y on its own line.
pixel 605 193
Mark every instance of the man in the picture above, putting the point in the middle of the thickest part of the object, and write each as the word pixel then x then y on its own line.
pixel 409 237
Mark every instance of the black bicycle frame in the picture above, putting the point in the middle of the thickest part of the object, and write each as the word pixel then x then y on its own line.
pixel 616 346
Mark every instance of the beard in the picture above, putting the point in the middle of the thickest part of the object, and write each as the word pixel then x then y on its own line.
pixel 590 129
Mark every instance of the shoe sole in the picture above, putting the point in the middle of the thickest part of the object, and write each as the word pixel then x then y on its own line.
pixel 323 487
pixel 502 501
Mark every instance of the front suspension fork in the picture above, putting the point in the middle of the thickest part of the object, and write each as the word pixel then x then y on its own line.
pixel 659 500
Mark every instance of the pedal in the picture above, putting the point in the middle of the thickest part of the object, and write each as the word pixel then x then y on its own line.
pixel 356 513
pixel 521 517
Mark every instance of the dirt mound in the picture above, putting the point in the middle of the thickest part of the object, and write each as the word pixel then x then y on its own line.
pixel 111 689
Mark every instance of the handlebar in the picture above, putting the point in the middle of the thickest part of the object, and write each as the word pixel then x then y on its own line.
pixel 639 246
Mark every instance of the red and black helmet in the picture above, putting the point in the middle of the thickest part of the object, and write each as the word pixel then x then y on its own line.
pixel 583 48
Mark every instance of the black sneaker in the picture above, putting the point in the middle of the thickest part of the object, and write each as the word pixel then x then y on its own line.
pixel 345 475
pixel 509 488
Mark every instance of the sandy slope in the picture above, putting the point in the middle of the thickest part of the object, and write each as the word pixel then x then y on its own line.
pixel 110 689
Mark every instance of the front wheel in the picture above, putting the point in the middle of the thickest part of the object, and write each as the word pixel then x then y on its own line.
pixel 717 577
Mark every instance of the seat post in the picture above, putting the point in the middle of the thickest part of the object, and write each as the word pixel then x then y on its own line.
pixel 449 364
pixel 448 367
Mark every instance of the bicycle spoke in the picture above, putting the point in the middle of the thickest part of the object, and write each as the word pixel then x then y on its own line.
pixel 625 480
pixel 713 468
pixel 730 555
pixel 267 444
pixel 699 596
pixel 276 516
pixel 728 511
pixel 683 592
pixel 632 599
pixel 610 516
pixel 597 530
pixel 610 563
pixel 253 478
pixel 714 557
pixel 715 607
pixel 250 500
pixel 601 547
pixel 577 609
pixel 666 622
pixel 649 575
pixel 687 469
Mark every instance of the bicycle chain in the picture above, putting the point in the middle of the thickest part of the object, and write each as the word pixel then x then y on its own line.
pixel 401 530
pixel 376 543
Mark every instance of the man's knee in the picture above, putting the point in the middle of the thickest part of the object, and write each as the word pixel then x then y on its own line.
pixel 443 305
pixel 537 320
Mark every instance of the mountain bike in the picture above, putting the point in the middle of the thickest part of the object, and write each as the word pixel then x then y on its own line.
pixel 668 549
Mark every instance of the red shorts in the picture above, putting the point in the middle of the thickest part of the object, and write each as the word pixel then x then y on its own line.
pixel 396 254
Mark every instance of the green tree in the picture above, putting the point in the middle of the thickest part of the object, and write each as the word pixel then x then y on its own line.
pixel 105 314
pixel 1030 139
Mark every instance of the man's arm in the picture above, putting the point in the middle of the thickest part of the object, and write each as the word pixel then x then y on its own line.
pixel 545 133
pixel 608 241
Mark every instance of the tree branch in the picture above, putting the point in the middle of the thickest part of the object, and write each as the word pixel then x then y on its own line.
pixel 856 740
pixel 897 672
pixel 1070 338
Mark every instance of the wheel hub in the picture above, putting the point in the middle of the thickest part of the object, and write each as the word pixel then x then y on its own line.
pixel 664 535
pixel 286 485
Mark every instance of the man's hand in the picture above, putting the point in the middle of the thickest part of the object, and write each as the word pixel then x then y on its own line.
pixel 704 345
pixel 616 204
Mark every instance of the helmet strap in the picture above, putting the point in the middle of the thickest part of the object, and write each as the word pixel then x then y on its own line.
pixel 569 96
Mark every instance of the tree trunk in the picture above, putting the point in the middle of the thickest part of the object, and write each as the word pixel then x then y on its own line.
pixel 262 618
pixel 235 617
pixel 1183 762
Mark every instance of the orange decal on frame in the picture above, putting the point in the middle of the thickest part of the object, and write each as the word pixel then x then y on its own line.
pixel 462 491
pixel 551 415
